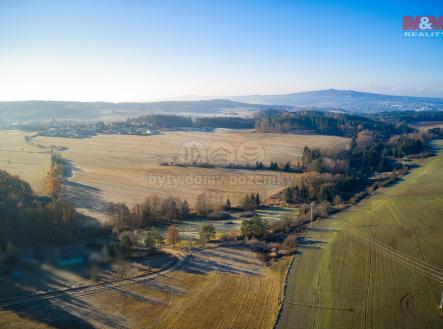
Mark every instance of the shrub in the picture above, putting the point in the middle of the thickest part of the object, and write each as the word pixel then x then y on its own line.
pixel 263 257
pixel 254 227
pixel 153 238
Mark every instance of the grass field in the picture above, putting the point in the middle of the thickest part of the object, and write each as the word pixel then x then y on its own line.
pixel 127 168
pixel 28 161
pixel 379 265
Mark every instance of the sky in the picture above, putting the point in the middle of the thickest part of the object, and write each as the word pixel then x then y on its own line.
pixel 154 50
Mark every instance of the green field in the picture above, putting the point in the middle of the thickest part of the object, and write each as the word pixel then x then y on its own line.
pixel 379 265
pixel 191 227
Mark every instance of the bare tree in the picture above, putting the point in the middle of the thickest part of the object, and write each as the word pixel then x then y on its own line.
pixel 173 235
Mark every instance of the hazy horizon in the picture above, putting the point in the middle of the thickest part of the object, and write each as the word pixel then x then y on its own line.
pixel 207 98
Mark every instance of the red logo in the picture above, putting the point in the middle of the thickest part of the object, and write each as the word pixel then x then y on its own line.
pixel 422 23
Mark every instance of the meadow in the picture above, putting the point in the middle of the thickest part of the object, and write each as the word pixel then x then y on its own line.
pixel 116 168
pixel 29 162
pixel 378 265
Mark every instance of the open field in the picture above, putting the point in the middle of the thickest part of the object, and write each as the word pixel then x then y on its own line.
pixel 218 287
pixel 379 265
pixel 425 125
pixel 20 158
pixel 127 168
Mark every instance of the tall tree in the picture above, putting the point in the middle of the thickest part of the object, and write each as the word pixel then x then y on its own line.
pixel 173 235
pixel 207 232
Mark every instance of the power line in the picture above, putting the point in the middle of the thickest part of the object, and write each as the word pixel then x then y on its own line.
pixel 297 200
pixel 300 198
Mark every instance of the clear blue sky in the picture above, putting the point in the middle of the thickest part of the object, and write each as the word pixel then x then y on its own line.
pixel 145 50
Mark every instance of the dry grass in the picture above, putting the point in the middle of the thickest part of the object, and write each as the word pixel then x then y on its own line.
pixel 126 168
pixel 212 293
pixel 218 287
pixel 28 161
pixel 11 320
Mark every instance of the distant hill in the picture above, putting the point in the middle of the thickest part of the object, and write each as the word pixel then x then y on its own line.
pixel 47 110
pixel 346 100
pixel 331 99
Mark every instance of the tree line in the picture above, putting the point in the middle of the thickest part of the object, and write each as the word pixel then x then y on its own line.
pixel 152 211
pixel 28 219
pixel 334 176
pixel 168 121
pixel 409 117
pixel 325 123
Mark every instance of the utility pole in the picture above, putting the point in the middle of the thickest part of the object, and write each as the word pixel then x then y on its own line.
pixel 190 245
pixel 189 239
pixel 312 212
pixel 441 302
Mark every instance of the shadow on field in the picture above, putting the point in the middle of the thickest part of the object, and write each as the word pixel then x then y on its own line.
pixel 324 229
pixel 65 311
pixel 349 309
pixel 69 168
pixel 165 287
pixel 228 259
pixel 304 242
pixel 84 196
pixel 81 195
pixel 40 293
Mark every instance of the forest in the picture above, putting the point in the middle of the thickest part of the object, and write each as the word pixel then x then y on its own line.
pixel 326 123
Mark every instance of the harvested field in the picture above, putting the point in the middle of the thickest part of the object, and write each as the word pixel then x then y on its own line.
pixel 127 168
pixel 378 265
pixel 28 161
pixel 218 287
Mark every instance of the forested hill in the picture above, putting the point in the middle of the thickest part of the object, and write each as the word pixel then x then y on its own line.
pixel 325 123
pixel 332 100
pixel 47 110
pixel 347 100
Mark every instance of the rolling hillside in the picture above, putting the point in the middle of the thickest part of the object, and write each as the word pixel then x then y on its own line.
pixel 378 265
pixel 48 110
pixel 346 100
pixel 332 99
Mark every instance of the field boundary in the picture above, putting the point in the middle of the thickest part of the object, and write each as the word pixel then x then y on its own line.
pixel 283 293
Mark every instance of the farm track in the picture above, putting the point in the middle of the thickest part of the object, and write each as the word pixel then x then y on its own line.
pixel 422 267
pixel 369 307
pixel 85 291
pixel 26 152
pixel 405 301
